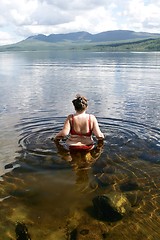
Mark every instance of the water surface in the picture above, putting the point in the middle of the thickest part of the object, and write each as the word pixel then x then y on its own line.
pixel 51 190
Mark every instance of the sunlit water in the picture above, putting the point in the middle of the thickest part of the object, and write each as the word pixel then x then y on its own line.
pixel 50 190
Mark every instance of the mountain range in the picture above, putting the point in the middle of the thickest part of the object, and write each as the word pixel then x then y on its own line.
pixel 117 40
pixel 116 35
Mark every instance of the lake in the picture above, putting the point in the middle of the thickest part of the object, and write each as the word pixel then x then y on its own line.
pixel 51 190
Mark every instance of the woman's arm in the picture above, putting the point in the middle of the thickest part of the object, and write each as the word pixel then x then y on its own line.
pixel 65 130
pixel 96 130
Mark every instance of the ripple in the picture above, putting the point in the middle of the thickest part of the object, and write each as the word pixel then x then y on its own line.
pixel 37 149
pixel 132 139
pixel 125 138
pixel 128 164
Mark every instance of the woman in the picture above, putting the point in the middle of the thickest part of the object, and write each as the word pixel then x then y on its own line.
pixel 80 127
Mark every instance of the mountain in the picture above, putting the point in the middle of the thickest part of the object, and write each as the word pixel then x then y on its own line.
pixel 76 36
pixel 117 35
pixel 118 40
pixel 121 35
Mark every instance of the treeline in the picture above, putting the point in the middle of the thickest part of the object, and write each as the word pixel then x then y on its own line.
pixel 151 44
pixel 140 45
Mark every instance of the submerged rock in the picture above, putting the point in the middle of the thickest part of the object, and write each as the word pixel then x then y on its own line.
pixel 111 207
pixel 22 232
pixel 92 231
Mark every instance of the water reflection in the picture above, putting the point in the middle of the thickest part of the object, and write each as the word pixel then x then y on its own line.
pixel 52 189
pixel 80 160
pixel 37 183
pixel 119 85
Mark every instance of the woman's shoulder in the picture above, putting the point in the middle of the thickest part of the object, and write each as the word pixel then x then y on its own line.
pixel 70 117
pixel 92 117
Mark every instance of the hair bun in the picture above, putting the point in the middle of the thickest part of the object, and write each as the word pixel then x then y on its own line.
pixel 78 96
pixel 80 102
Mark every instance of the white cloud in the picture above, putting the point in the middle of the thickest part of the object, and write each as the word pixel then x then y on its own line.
pixel 143 17
pixel 29 17
pixel 6 38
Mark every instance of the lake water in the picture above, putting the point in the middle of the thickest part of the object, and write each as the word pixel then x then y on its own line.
pixel 50 190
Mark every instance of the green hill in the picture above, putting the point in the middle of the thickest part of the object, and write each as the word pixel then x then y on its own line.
pixel 118 40
pixel 139 45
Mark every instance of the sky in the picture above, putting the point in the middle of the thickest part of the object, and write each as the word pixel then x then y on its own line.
pixel 20 19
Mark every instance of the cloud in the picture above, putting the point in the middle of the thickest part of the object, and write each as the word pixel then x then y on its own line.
pixel 5 38
pixel 29 17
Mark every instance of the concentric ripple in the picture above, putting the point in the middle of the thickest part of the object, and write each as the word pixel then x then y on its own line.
pixel 125 138
pixel 131 139
pixel 37 148
pixel 127 165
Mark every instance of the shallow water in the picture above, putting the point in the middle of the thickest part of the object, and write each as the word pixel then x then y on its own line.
pixel 47 188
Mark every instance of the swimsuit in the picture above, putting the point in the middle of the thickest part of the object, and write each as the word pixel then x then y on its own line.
pixel 73 132
pixel 81 147
pixel 88 134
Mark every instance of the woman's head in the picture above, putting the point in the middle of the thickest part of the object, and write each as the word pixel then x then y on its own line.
pixel 80 103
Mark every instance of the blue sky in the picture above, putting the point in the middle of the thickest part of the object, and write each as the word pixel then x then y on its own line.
pixel 21 19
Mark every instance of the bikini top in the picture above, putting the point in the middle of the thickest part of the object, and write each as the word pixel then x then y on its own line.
pixel 73 132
